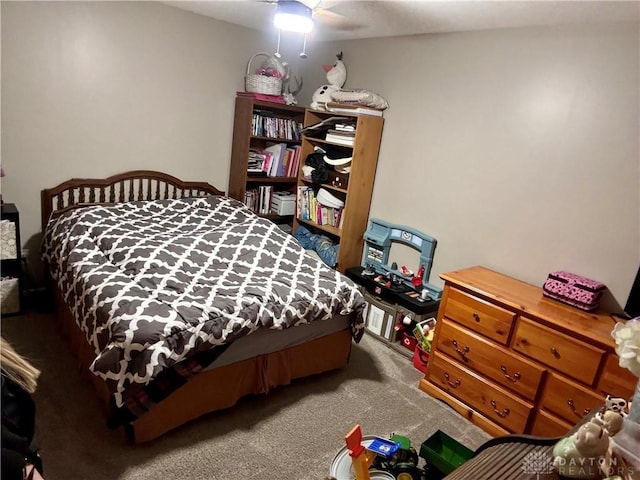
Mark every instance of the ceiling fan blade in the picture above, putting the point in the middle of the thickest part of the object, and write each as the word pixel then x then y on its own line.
pixel 323 14
pixel 335 20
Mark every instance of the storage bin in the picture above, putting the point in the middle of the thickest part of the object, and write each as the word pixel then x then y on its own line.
pixel 444 452
pixel 420 359
pixel 9 295
pixel 409 341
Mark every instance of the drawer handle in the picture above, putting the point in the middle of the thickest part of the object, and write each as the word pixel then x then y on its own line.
pixel 555 352
pixel 572 406
pixel 455 384
pixel 514 378
pixel 505 411
pixel 476 317
pixel 463 352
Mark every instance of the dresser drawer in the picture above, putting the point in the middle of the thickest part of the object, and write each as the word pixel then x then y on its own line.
pixel 490 360
pixel 615 380
pixel 483 317
pixel 546 424
pixel 572 357
pixel 569 399
pixel 490 400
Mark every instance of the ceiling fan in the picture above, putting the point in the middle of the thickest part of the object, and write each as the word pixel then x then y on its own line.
pixel 322 12
pixel 300 16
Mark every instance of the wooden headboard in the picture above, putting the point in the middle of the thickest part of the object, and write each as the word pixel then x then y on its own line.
pixel 125 187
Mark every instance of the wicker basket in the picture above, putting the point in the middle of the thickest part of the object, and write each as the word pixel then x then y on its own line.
pixel 254 83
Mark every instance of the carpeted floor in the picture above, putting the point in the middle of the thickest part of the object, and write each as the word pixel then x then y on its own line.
pixel 292 434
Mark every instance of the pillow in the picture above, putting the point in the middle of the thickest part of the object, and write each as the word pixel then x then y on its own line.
pixel 361 97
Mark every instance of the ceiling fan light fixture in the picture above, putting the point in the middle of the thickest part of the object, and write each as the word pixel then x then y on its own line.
pixel 293 17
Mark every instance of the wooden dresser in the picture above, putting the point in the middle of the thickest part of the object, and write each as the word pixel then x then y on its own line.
pixel 513 361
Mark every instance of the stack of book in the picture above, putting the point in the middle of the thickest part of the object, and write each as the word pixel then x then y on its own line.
pixel 259 199
pixel 353 108
pixel 256 161
pixel 264 124
pixel 277 160
pixel 309 208
pixel 342 133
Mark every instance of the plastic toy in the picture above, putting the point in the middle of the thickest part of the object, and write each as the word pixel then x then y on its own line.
pixel 362 457
pixel 380 236
pixel 403 464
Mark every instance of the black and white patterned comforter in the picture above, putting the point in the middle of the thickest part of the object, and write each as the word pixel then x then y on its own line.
pixel 152 283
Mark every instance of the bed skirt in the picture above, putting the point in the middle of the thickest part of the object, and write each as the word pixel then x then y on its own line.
pixel 217 388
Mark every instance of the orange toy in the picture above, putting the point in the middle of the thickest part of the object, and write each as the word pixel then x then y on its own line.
pixel 360 457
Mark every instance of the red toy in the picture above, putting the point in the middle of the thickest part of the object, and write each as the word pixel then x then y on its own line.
pixel 417 280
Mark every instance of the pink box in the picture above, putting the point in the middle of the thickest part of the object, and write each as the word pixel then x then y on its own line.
pixel 575 290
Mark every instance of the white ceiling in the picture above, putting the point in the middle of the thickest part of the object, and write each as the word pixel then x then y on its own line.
pixel 358 19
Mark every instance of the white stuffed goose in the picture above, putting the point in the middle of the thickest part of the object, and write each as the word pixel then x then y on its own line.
pixel 336 76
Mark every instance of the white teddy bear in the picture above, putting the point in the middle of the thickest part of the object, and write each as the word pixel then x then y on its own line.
pixel 580 455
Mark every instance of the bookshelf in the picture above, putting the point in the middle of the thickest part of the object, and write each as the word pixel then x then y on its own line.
pixel 356 194
pixel 260 126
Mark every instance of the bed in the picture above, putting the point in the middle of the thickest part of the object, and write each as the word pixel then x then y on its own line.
pixel 179 301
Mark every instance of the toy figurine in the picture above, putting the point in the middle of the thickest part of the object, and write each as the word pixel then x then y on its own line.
pixel 616 404
pixel 580 455
pixel 406 272
pixel 417 280
pixel 336 76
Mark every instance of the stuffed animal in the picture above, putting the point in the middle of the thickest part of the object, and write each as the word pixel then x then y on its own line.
pixel 615 404
pixel 336 76
pixel 611 421
pixel 579 455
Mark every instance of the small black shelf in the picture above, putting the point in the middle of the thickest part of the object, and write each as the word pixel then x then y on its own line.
pixel 11 267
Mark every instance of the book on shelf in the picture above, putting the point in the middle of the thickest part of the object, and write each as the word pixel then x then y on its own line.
pixel 277 151
pixel 310 209
pixel 342 133
pixel 345 127
pixel 324 125
pixel 277 160
pixel 346 140
pixel 266 124
pixel 353 108
pixel 255 161
pixel 292 161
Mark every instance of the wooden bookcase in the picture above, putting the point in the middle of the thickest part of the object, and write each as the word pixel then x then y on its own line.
pixel 244 139
pixel 358 191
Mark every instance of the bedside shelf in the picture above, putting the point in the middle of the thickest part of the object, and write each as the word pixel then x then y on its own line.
pixel 11 297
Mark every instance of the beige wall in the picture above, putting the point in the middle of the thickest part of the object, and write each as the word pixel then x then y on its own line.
pixel 516 149
pixel 98 88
